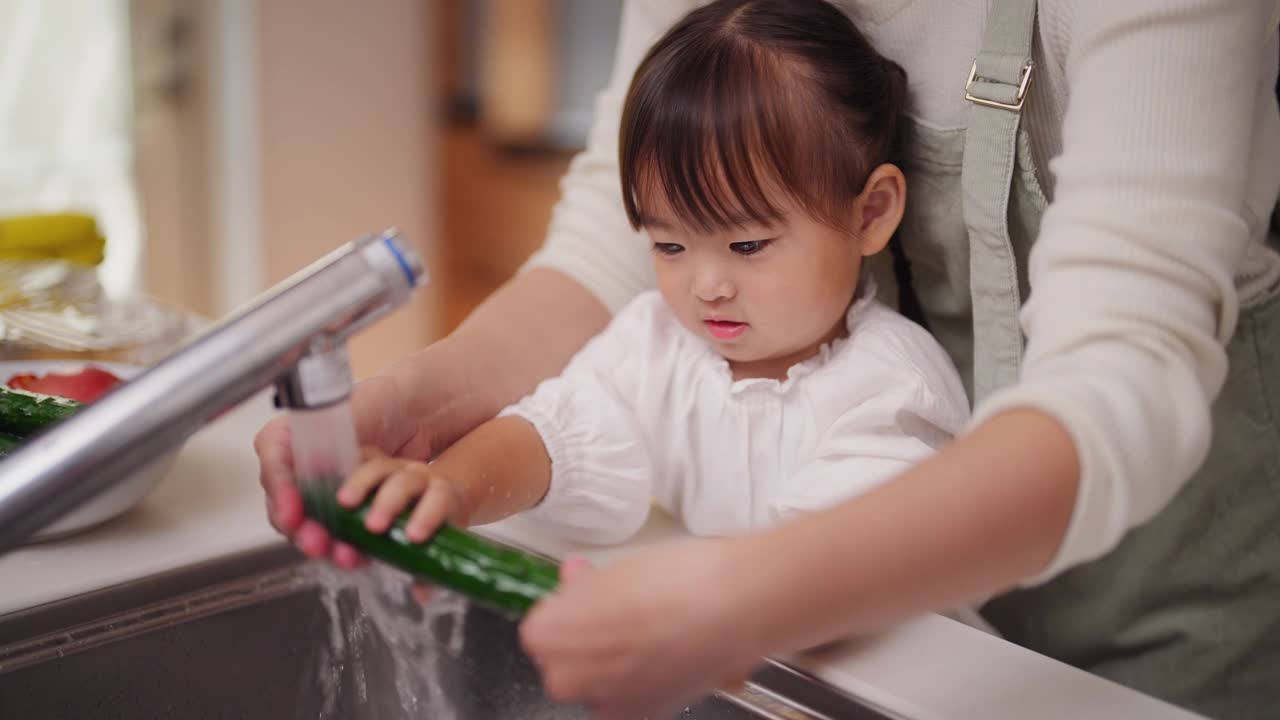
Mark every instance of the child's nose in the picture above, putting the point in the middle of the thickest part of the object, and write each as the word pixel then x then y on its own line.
pixel 711 285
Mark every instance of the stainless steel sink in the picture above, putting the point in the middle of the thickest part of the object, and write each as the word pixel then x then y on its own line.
pixel 270 635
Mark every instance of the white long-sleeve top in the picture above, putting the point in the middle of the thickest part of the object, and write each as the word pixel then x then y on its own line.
pixel 648 412
pixel 1155 129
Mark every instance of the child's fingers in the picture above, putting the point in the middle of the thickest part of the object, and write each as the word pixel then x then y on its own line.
pixel 395 494
pixel 365 478
pixel 431 512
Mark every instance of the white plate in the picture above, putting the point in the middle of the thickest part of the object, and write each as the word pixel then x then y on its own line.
pixel 114 500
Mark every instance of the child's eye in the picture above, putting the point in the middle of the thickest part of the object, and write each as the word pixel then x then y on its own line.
pixel 749 247
pixel 667 248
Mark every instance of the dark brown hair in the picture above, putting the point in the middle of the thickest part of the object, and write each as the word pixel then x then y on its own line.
pixel 744 98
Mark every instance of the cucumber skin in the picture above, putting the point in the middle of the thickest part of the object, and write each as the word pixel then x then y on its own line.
pixel 22 413
pixel 490 573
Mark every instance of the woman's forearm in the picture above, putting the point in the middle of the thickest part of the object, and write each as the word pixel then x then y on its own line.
pixel 498 469
pixel 980 516
pixel 522 334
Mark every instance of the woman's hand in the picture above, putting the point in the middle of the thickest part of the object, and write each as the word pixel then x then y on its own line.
pixel 647 635
pixel 382 420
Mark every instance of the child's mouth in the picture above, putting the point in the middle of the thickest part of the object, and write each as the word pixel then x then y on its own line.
pixel 725 329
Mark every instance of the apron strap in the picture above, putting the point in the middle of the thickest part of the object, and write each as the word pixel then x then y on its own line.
pixel 996 88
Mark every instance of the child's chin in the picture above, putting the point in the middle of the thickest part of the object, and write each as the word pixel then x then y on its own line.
pixel 740 355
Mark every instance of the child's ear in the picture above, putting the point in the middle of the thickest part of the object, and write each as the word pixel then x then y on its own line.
pixel 878 208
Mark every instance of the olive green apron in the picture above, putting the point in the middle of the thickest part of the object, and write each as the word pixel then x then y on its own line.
pixel 1187 608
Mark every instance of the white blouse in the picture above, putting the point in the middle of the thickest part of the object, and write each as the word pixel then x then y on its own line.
pixel 648 411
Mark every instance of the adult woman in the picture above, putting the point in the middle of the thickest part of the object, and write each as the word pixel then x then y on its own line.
pixel 1152 314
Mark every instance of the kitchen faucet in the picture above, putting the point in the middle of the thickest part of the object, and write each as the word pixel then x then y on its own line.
pixel 293 336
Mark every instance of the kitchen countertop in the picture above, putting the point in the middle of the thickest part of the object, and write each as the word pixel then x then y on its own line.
pixel 210 506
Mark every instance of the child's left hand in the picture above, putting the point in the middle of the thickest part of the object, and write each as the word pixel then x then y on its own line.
pixel 645 636
pixel 399 482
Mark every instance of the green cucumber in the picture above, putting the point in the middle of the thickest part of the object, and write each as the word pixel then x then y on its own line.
pixel 8 443
pixel 488 572
pixel 22 412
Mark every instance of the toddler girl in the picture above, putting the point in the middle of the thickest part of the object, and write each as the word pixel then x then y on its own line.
pixel 763 378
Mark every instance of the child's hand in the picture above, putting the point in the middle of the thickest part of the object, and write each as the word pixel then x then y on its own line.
pixel 382 419
pixel 399 482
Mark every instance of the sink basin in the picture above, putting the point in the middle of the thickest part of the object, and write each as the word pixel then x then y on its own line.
pixel 270 635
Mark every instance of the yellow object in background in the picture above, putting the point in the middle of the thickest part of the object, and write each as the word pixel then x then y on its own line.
pixel 73 237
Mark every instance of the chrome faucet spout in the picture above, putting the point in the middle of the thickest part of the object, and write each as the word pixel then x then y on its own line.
pixel 293 336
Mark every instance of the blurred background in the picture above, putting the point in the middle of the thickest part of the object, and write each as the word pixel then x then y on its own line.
pixel 164 161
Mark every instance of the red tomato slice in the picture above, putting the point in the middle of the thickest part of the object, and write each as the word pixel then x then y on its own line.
pixel 85 386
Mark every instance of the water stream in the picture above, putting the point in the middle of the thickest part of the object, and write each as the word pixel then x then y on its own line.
pixel 422 639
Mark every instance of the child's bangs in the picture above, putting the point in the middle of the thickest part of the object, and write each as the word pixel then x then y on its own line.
pixel 718 139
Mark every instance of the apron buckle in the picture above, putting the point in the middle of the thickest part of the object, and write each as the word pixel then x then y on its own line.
pixel 1021 95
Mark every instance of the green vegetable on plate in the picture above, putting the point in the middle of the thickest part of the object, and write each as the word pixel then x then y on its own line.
pixel 22 412
pixel 8 443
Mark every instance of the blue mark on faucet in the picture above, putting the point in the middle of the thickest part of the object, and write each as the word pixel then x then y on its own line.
pixel 400 260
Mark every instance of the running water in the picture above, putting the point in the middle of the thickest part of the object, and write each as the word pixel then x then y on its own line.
pixel 382 654
pixel 421 639
pixel 375 600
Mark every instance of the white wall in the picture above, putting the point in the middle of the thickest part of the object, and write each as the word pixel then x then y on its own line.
pixel 345 142
pixel 298 125
pixel 65 120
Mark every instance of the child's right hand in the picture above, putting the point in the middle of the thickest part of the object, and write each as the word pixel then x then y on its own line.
pixel 399 482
